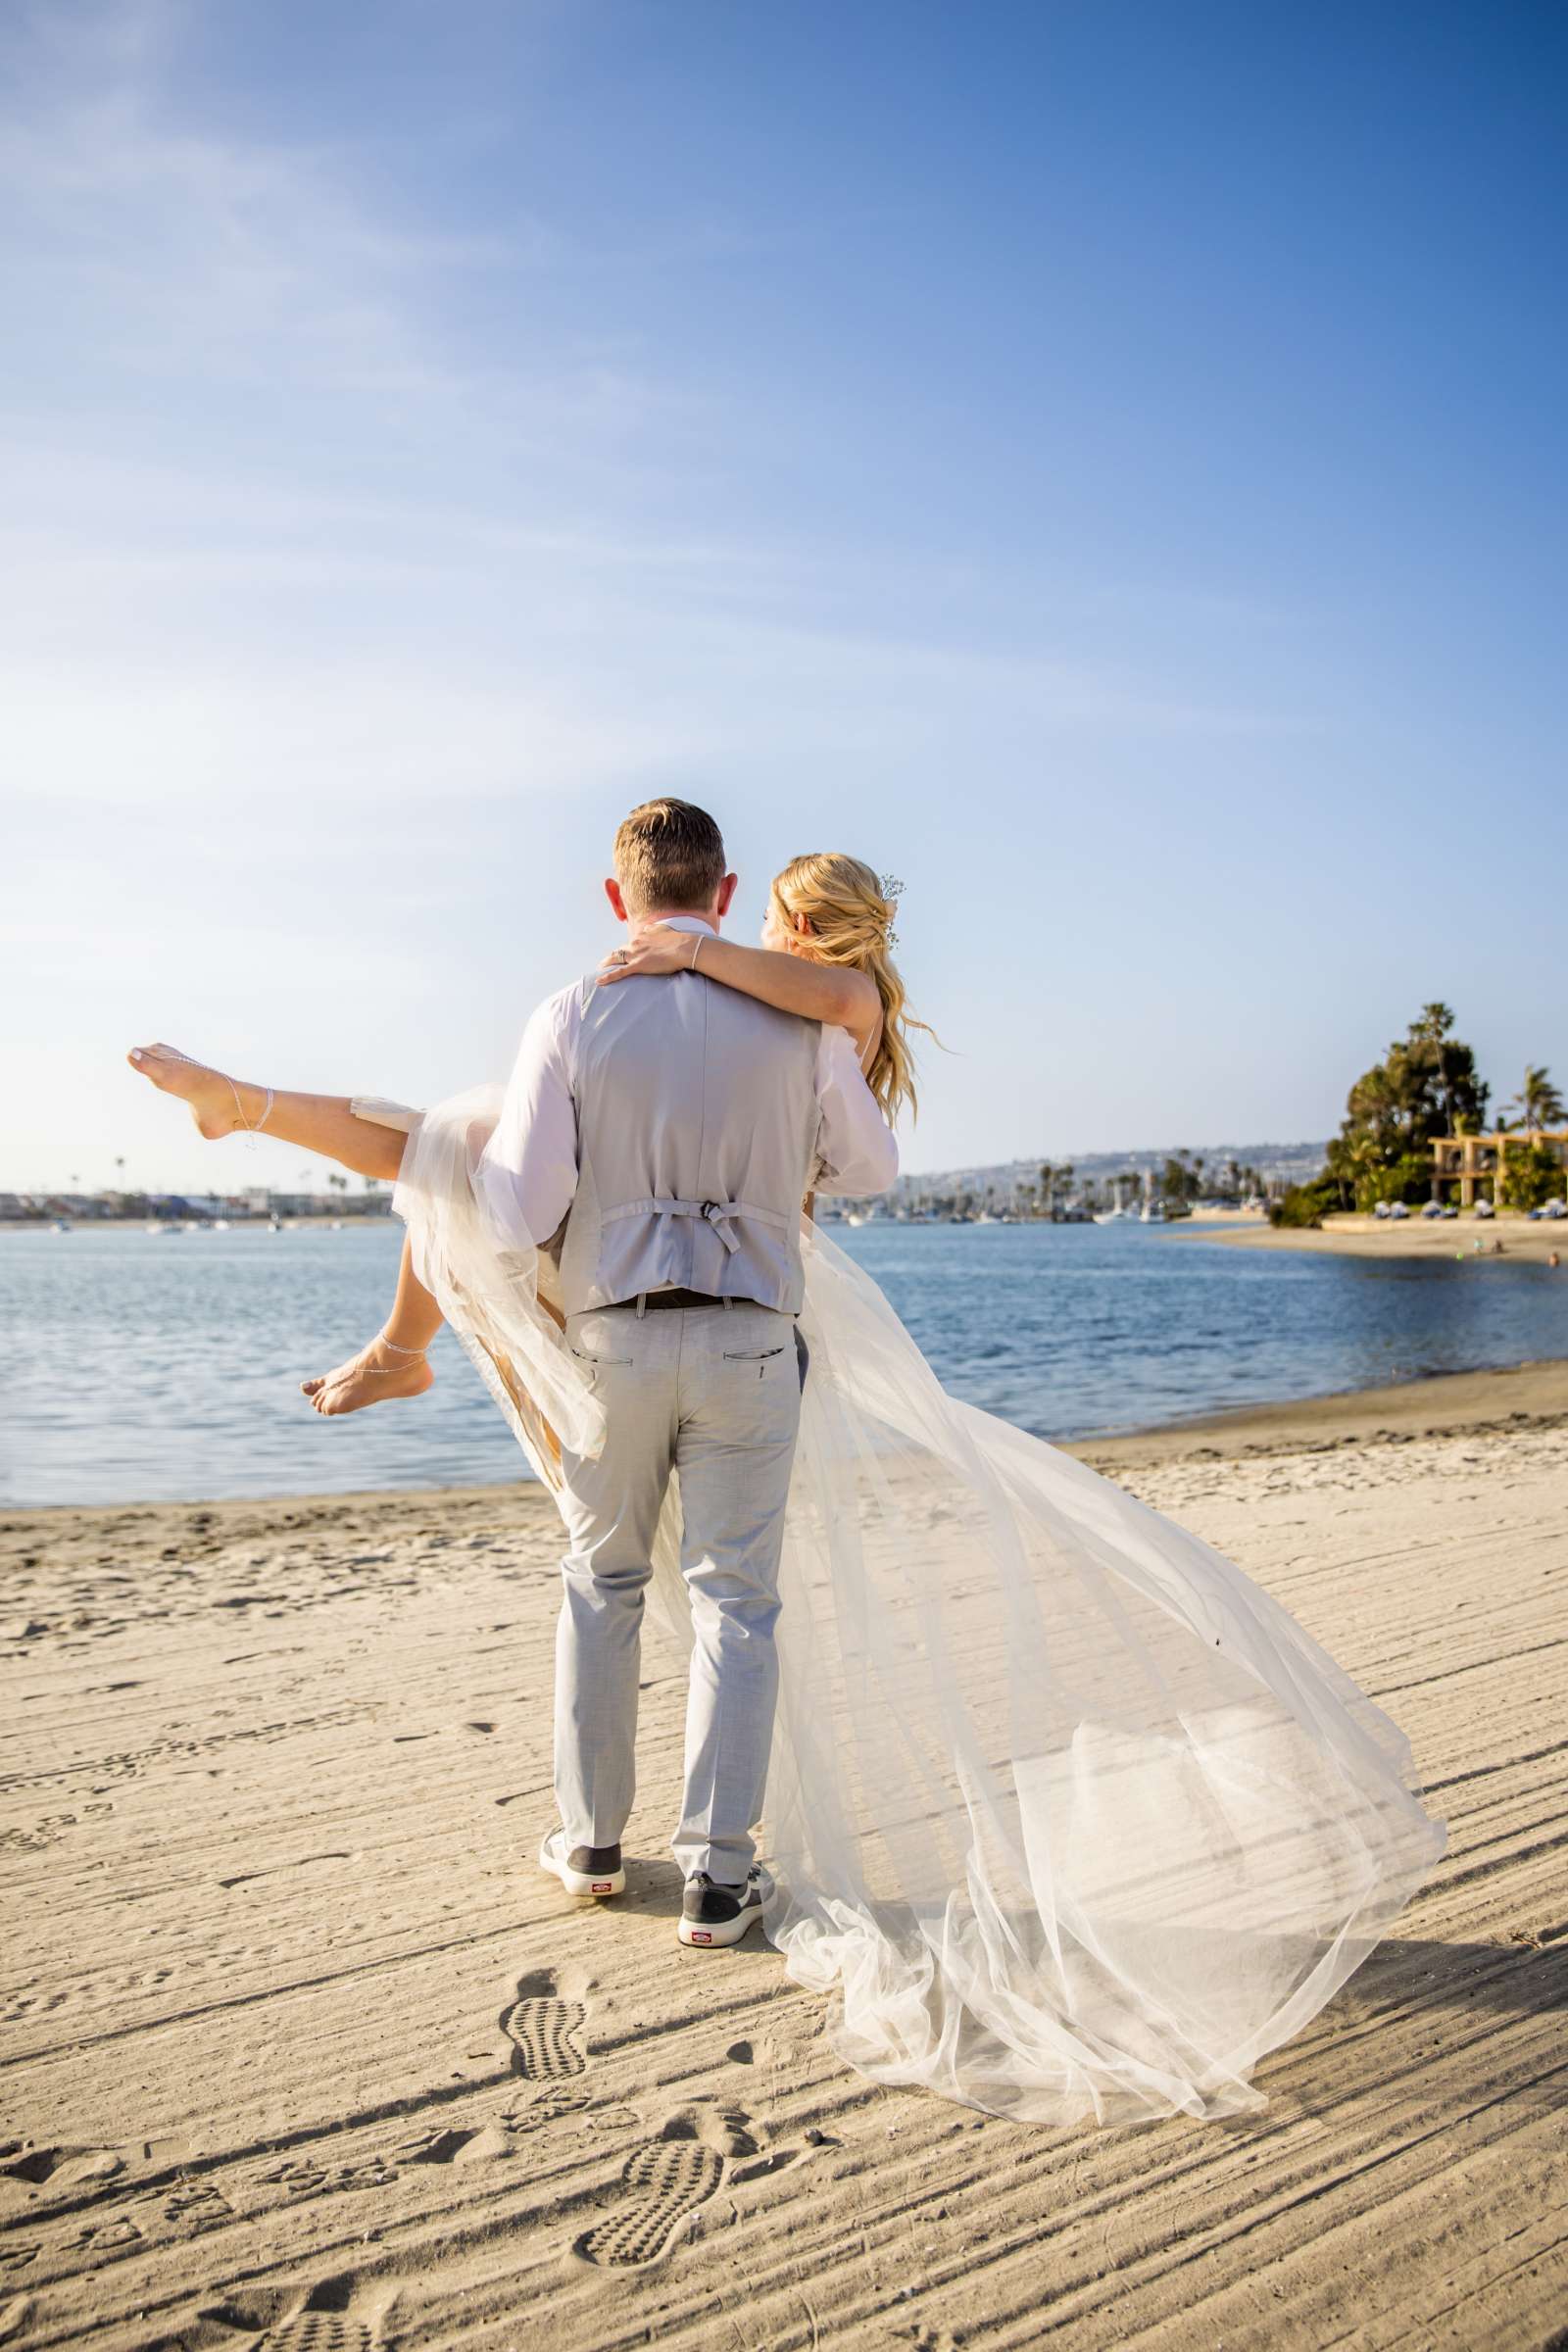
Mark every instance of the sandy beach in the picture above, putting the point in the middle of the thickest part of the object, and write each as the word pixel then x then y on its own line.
pixel 1353 1236
pixel 303 2050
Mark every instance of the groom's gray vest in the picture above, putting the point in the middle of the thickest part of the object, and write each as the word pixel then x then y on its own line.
pixel 697 1127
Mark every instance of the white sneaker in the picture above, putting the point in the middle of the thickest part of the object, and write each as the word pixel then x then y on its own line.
pixel 592 1869
pixel 714 1914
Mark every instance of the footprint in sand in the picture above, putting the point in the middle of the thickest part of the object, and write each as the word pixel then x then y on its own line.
pixel 300 2178
pixel 540 2026
pixel 662 2184
pixel 340 2315
pixel 198 2205
pixel 30 2005
pixel 552 2107
pixel 320 2331
pixel 123 2233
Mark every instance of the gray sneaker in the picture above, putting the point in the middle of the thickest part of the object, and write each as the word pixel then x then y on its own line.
pixel 593 1870
pixel 712 1912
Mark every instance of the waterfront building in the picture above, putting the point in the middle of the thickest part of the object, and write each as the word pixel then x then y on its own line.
pixel 1472 1161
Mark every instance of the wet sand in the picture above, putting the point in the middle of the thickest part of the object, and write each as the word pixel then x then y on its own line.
pixel 1451 1404
pixel 301 2049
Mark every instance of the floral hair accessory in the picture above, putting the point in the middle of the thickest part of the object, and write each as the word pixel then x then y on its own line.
pixel 892 889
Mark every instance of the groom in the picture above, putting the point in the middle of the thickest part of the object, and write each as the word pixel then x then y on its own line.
pixel 658 1137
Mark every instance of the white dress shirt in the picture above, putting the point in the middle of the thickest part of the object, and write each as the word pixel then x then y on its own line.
pixel 529 1168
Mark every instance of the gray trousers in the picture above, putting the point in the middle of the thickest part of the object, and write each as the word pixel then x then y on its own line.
pixel 714 1394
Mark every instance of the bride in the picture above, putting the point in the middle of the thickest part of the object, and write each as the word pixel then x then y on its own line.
pixel 1073 1819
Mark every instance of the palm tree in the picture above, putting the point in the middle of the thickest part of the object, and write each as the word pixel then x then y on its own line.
pixel 1434 1025
pixel 1539 1103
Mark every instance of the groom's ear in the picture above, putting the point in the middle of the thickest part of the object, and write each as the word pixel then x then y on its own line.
pixel 727 891
pixel 612 893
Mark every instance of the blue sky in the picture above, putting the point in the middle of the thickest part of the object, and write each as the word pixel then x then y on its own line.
pixel 1101 464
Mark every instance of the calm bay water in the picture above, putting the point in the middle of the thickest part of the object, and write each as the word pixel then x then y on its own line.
pixel 139 1368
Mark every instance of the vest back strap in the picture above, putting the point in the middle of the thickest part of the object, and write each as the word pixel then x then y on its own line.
pixel 717 1214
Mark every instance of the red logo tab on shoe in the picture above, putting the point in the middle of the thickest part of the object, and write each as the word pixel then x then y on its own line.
pixel 701 1935
pixel 602 1887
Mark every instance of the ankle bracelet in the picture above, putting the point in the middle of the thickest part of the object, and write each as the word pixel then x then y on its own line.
pixel 396 1350
pixel 266 1108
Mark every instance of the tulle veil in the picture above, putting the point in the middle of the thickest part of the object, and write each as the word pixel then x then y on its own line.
pixel 1070 1819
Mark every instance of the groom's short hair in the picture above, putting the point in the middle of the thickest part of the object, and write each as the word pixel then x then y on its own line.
pixel 668 855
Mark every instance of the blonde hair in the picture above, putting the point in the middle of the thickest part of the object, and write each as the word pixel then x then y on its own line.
pixel 851 918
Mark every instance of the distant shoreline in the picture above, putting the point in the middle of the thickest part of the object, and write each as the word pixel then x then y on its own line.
pixel 329 1218
pixel 1353 1236
pixel 1347 1236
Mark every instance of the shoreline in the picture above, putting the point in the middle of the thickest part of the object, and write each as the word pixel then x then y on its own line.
pixel 1533 1394
pixel 1354 1236
pixel 1514 1397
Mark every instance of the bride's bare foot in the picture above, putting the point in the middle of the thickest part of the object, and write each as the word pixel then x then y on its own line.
pixel 372 1376
pixel 219 1105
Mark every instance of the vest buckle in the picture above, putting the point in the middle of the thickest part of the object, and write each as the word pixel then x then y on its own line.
pixel 717 1215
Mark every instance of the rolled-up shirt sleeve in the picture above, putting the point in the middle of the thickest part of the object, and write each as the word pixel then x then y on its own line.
pixel 856 1149
pixel 529 1170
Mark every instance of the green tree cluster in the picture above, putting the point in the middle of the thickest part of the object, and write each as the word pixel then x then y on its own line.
pixel 1307 1203
pixel 1529 1176
pixel 1426 1086
pixel 1182 1177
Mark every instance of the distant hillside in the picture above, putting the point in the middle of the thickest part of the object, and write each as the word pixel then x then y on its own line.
pixel 1276 1164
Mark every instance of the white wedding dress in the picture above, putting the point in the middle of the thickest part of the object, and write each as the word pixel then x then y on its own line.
pixel 1072 1818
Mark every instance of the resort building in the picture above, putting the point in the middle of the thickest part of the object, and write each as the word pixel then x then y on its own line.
pixel 1472 1161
